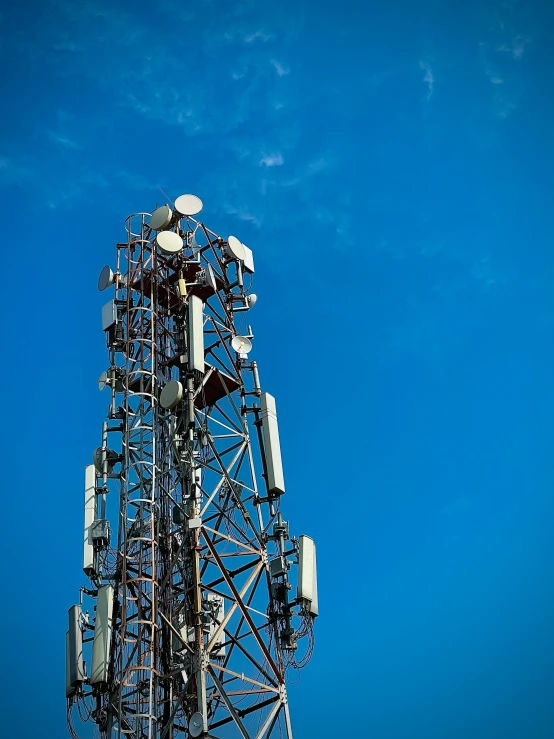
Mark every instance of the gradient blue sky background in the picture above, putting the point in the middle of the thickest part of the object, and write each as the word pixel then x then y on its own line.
pixel 392 167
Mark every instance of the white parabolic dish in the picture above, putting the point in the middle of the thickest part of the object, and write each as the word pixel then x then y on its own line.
pixel 160 218
pixel 241 344
pixel 235 247
pixel 102 380
pixel 171 394
pixel 188 205
pixel 169 242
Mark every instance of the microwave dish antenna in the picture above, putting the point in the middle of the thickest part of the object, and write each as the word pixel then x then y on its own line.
pixel 160 218
pixel 241 344
pixel 234 248
pixel 106 278
pixel 169 242
pixel 171 394
pixel 188 205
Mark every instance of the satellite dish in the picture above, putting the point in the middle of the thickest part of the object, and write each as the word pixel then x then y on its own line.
pixel 106 279
pixel 103 381
pixel 234 248
pixel 196 724
pixel 252 300
pixel 171 394
pixel 112 457
pixel 160 218
pixel 241 344
pixel 188 205
pixel 169 242
pixel 210 278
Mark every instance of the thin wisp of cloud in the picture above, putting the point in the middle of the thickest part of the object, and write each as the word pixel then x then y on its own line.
pixel 272 160
pixel 63 141
pixel 257 36
pixel 429 77
pixel 279 68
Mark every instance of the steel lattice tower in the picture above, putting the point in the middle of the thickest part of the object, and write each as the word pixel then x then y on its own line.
pixel 188 621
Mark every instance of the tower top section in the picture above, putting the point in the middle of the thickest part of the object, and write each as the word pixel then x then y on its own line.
pixel 196 605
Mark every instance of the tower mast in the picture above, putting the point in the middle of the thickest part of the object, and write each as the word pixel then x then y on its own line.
pixel 192 614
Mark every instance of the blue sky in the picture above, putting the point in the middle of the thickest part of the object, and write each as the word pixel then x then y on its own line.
pixel 392 167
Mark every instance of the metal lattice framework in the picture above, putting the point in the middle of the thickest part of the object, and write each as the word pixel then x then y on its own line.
pixel 201 627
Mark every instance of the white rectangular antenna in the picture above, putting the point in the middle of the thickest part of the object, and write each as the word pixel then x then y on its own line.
pixel 248 261
pixel 75 673
pixel 307 573
pixel 102 635
pixel 218 648
pixel 180 625
pixel 272 447
pixel 198 481
pixel 90 514
pixel 196 334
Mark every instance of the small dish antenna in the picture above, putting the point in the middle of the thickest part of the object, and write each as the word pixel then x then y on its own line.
pixel 171 394
pixel 103 380
pixel 188 205
pixel 106 278
pixel 160 218
pixel 251 299
pixel 196 724
pixel 110 378
pixel 169 242
pixel 112 457
pixel 235 248
pixel 241 344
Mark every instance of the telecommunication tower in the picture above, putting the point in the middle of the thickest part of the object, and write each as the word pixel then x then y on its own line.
pixel 194 606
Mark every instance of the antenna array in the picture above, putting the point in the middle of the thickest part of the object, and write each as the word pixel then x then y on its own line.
pixel 188 621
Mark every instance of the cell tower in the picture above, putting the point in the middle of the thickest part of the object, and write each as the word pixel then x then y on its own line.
pixel 192 613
